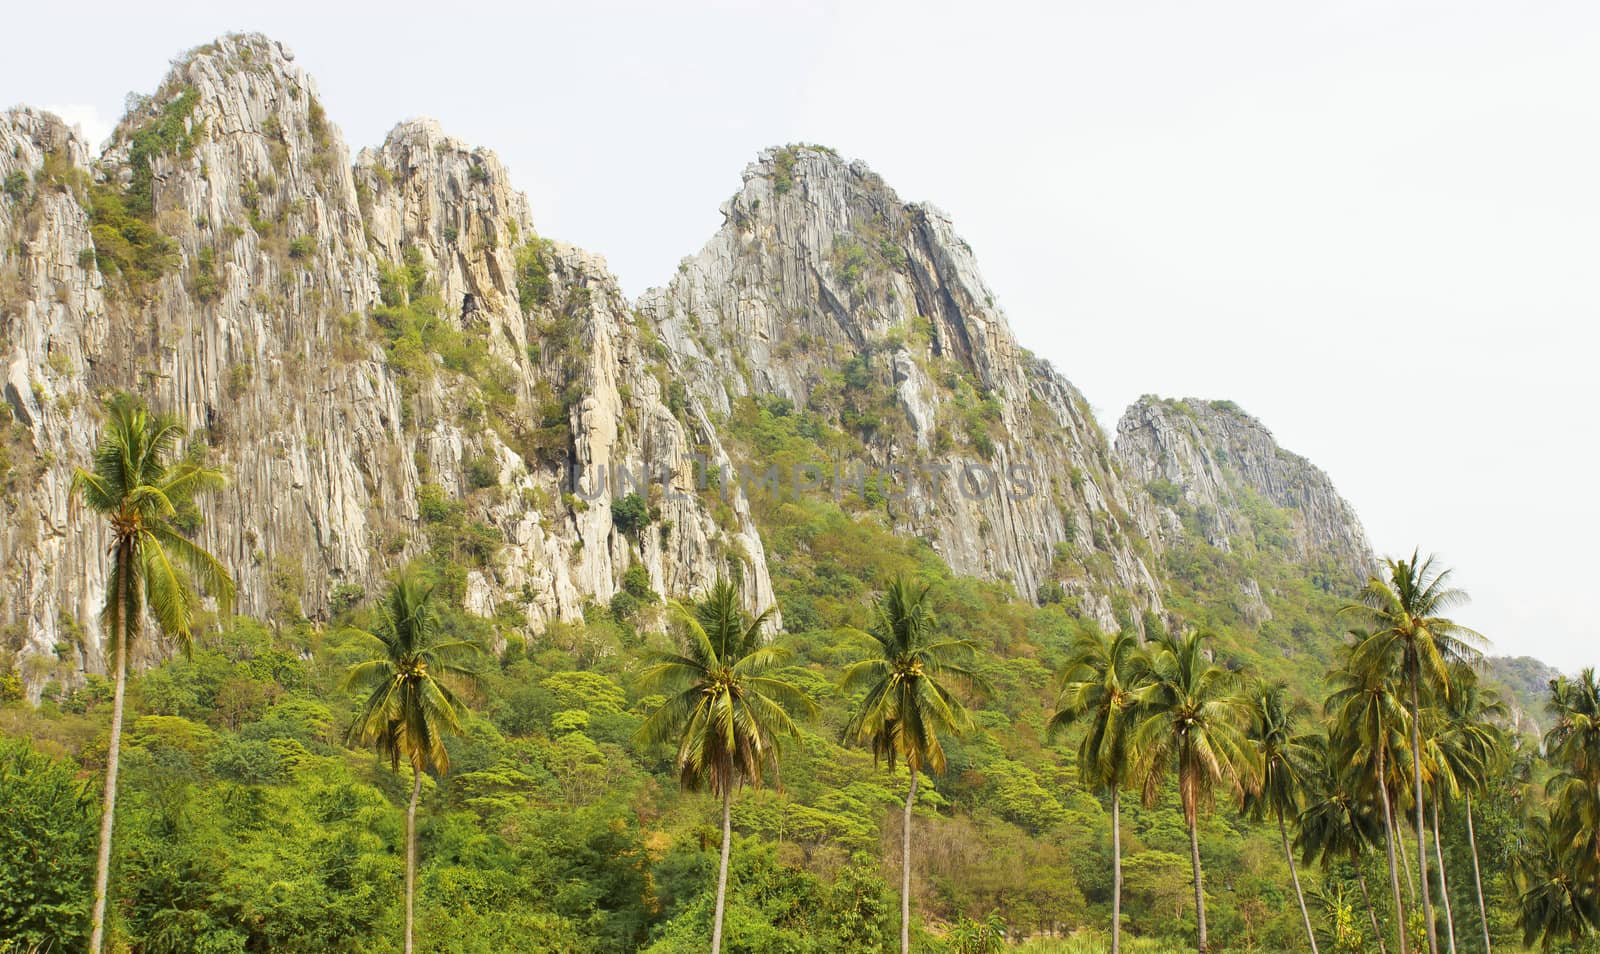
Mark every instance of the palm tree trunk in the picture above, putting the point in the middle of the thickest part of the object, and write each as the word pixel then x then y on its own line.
pixel 411 855
pixel 1372 913
pixel 1116 870
pixel 1388 844
pixel 1294 875
pixel 1477 878
pixel 1444 886
pixel 108 811
pixel 905 870
pixel 1199 885
pixel 722 871
pixel 1422 842
pixel 1405 864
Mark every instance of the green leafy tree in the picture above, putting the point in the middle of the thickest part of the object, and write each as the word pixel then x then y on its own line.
pixel 410 704
pixel 44 849
pixel 727 712
pixel 1194 727
pixel 140 489
pixel 1285 760
pixel 907 706
pixel 1099 687
pixel 1409 631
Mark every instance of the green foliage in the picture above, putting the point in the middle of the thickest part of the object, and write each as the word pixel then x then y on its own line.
pixel 783 170
pixel 534 287
pixel 419 338
pixel 1165 492
pixel 630 514
pixel 46 850
pixel 122 222
pixel 125 242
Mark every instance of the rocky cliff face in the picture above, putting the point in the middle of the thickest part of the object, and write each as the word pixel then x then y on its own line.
pixel 382 356
pixel 1217 464
pixel 55 322
pixel 826 291
pixel 389 362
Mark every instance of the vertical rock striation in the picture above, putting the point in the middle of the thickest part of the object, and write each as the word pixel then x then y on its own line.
pixel 825 290
pixel 348 342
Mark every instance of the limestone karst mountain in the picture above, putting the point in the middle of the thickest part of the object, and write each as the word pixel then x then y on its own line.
pixel 388 359
pixel 382 355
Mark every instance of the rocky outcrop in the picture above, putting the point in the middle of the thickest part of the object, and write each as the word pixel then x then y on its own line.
pixel 54 324
pixel 825 290
pixel 1215 472
pixel 345 339
pixel 390 362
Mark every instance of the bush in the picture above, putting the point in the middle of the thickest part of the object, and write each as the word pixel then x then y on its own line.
pixel 248 763
pixel 46 850
pixel 636 582
pixel 533 276
pixel 481 472
pixel 1165 492
pixel 630 514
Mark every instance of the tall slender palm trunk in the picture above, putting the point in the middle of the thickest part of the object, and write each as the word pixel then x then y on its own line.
pixel 1116 870
pixel 1388 844
pixel 1199 884
pixel 722 871
pixel 1294 875
pixel 1422 841
pixel 108 811
pixel 411 857
pixel 1405 864
pixel 905 869
pixel 1477 878
pixel 1372 913
pixel 1444 886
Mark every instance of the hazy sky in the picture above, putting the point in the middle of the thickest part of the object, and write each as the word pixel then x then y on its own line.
pixel 1375 225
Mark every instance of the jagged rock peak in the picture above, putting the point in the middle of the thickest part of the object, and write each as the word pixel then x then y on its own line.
pixel 1208 458
pixel 236 83
pixel 824 290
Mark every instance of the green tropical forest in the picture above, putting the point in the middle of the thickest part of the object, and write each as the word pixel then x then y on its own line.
pixel 921 762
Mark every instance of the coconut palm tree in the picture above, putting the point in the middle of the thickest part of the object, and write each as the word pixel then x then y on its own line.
pixel 907 706
pixel 1405 612
pixel 727 712
pixel 411 704
pixel 1334 823
pixel 1573 745
pixel 1471 749
pixel 1284 760
pixel 1193 724
pixel 1555 900
pixel 138 486
pixel 1098 685
pixel 1366 732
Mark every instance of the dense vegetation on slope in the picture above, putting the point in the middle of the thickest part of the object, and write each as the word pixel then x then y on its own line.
pixel 248 824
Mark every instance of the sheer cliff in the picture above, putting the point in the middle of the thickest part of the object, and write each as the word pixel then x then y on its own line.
pixel 383 356
pixel 390 362
pixel 824 290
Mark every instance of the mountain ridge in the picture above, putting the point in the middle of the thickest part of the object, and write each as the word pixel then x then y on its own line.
pixel 392 363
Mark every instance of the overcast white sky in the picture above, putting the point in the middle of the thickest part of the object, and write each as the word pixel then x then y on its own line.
pixel 1375 225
